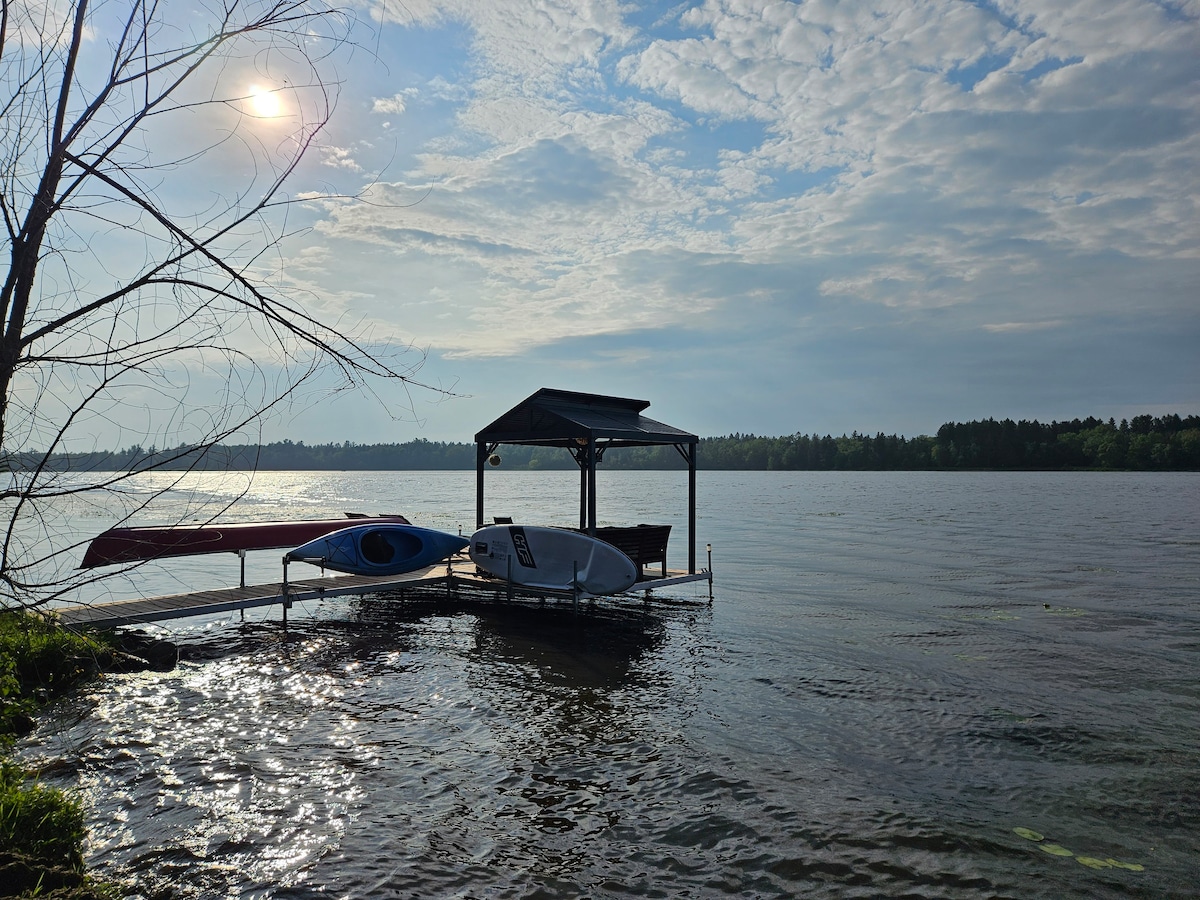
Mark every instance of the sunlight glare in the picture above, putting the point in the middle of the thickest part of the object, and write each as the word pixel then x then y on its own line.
pixel 264 102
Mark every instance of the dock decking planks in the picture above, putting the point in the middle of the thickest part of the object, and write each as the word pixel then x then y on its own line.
pixel 115 613
pixel 217 600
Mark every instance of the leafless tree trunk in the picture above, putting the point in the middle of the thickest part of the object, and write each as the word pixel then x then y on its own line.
pixel 139 265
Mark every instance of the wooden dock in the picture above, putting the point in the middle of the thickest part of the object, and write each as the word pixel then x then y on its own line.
pixel 448 580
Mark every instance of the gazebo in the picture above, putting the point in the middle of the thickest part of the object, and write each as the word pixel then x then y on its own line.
pixel 586 425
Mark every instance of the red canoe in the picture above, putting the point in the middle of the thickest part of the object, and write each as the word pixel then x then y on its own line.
pixel 121 545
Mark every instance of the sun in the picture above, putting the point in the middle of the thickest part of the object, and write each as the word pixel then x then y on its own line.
pixel 264 102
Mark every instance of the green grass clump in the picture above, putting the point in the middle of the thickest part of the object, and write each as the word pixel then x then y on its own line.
pixel 40 661
pixel 41 842
pixel 41 828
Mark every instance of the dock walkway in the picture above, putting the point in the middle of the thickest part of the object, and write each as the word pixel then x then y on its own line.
pixel 459 575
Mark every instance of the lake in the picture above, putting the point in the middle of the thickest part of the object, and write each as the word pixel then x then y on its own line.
pixel 909 684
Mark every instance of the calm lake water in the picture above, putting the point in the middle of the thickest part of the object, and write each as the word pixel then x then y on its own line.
pixel 903 680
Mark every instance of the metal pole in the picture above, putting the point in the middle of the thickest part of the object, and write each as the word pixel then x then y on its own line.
pixel 284 593
pixel 692 511
pixel 583 492
pixel 480 460
pixel 591 471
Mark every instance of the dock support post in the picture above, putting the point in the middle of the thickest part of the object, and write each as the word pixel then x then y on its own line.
pixel 284 591
pixel 708 547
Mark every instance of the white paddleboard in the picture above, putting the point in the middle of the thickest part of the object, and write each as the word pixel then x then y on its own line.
pixel 552 558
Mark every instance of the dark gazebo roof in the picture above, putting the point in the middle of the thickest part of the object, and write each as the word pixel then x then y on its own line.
pixel 553 418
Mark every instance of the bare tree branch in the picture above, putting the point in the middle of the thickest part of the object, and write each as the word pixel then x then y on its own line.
pixel 113 289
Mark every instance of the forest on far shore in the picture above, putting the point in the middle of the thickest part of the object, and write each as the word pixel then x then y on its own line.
pixel 1150 443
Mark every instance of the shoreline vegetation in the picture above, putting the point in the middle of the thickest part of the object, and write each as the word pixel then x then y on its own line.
pixel 1144 443
pixel 42 829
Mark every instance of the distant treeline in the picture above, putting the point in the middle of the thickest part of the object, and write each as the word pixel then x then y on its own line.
pixel 1143 443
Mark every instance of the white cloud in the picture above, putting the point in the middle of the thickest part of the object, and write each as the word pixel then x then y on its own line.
pixel 1018 327
pixel 533 44
pixel 339 158
pixel 393 105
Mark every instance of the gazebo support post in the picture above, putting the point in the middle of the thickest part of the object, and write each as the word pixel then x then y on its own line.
pixel 692 511
pixel 480 461
pixel 583 490
pixel 591 476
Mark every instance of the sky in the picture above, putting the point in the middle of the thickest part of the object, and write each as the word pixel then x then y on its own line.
pixel 762 217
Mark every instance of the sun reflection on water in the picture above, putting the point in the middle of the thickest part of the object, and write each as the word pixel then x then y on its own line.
pixel 204 759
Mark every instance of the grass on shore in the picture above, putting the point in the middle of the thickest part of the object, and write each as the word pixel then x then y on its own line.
pixel 41 828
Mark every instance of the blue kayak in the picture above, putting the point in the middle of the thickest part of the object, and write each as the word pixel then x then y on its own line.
pixel 379 549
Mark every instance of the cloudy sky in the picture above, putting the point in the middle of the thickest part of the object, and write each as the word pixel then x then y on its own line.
pixel 767 217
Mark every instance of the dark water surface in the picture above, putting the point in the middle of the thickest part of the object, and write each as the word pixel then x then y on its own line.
pixel 904 679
